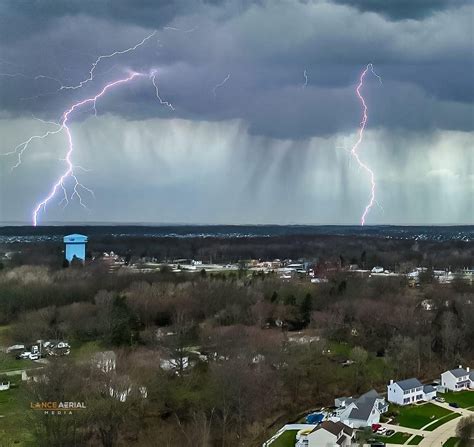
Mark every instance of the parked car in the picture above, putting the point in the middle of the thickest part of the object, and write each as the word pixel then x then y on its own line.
pixel 375 427
pixel 15 348
pixel 381 431
pixel 389 432
pixel 453 404
pixel 440 399
pixel 34 356
pixel 25 355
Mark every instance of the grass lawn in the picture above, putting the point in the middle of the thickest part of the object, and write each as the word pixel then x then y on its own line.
pixel 286 439
pixel 13 410
pixel 464 399
pixel 4 335
pixel 377 367
pixel 417 416
pixel 397 438
pixel 416 440
pixel 451 442
pixel 442 421
pixel 84 351
pixel 8 362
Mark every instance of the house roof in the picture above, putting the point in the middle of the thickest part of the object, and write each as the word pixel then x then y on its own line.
pixel 409 384
pixel 428 389
pixel 341 440
pixel 364 405
pixel 458 372
pixel 334 428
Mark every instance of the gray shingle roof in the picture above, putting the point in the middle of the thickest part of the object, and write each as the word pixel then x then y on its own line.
pixel 333 427
pixel 458 372
pixel 428 389
pixel 364 405
pixel 409 384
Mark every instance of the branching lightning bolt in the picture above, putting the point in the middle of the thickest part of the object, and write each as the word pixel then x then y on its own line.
pixel 153 80
pixel 354 149
pixel 106 56
pixel 22 147
pixel 214 90
pixel 69 172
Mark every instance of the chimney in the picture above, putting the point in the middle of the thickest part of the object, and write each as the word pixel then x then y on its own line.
pixel 467 369
pixel 460 366
pixel 391 381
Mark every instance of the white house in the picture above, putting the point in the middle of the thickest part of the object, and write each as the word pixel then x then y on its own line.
pixel 409 391
pixel 326 434
pixel 361 412
pixel 457 379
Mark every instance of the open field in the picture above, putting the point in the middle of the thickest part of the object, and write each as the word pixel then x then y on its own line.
pixel 4 329
pixel 9 363
pixel 85 350
pixel 13 408
pixel 418 416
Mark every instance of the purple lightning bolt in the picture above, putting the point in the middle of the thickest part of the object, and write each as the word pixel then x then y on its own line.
pixel 69 165
pixel 107 56
pixel 354 149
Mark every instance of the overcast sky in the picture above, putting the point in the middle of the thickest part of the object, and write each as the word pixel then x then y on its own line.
pixel 250 139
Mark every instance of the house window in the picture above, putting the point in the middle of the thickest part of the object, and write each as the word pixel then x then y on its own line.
pixel 419 397
pixel 406 401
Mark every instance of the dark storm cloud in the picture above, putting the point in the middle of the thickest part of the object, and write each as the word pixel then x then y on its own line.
pixel 426 65
pixel 403 9
pixel 18 17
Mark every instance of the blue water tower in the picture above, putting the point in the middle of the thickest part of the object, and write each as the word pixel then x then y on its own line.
pixel 75 246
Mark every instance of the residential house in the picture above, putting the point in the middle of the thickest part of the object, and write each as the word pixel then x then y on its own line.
pixel 326 434
pixel 409 391
pixel 457 379
pixel 4 385
pixel 362 411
